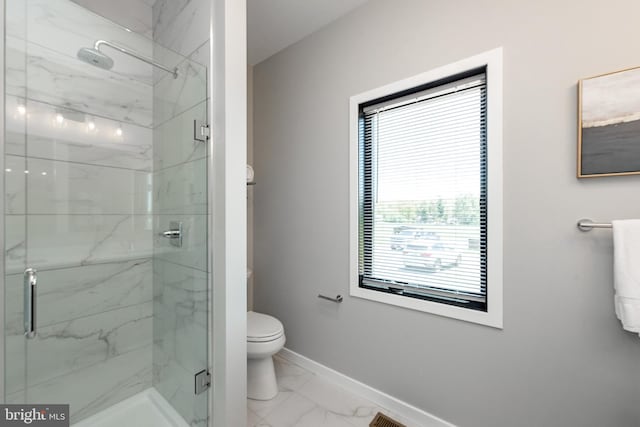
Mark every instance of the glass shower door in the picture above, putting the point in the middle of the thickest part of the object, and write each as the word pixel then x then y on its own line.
pixel 106 200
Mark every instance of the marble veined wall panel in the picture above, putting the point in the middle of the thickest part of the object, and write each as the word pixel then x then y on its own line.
pixel 172 96
pixel 180 314
pixel 86 317
pixel 65 27
pixel 57 187
pixel 78 28
pixel 181 189
pixel 70 84
pixel 15 244
pixel 16 18
pixel 15 344
pixel 202 54
pixel 118 378
pixel 181 25
pixel 133 14
pixel 176 384
pixel 173 141
pixel 80 343
pixel 15 181
pixel 64 241
pixel 193 252
pixel 72 293
pixel 80 137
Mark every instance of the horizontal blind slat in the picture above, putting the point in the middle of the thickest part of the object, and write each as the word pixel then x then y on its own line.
pixel 423 193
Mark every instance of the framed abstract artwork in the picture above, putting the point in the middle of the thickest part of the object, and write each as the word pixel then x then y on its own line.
pixel 609 124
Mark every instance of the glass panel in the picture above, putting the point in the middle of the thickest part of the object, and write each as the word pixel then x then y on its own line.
pixel 100 159
pixel 180 276
pixel 15 203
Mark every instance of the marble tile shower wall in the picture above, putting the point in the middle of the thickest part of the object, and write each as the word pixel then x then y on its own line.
pixel 180 194
pixel 78 208
pixel 132 14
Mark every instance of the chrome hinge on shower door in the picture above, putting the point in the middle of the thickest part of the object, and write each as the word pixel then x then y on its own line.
pixel 200 131
pixel 203 381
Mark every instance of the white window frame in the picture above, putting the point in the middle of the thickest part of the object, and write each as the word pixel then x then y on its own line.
pixel 492 60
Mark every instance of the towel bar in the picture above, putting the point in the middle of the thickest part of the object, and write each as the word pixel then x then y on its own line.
pixel 586 224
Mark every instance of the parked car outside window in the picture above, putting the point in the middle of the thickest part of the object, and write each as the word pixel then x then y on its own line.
pixel 431 254
pixel 403 235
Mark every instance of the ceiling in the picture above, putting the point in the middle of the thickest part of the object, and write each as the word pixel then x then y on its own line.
pixel 272 25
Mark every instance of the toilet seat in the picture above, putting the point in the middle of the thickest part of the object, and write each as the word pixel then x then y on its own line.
pixel 263 328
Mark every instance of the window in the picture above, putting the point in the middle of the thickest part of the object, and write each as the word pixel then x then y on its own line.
pixel 426 203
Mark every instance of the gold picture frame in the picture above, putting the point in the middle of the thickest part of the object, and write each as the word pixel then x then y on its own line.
pixel 609 124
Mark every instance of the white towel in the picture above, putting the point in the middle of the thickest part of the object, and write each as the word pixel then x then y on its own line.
pixel 626 270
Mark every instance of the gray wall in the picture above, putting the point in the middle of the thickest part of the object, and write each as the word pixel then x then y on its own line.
pixel 562 358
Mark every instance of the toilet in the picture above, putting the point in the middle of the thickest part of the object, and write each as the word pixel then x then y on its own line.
pixel 265 337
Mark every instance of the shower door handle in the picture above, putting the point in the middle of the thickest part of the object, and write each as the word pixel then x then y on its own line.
pixel 30 282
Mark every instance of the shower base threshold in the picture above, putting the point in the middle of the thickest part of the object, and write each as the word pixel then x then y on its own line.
pixel 145 409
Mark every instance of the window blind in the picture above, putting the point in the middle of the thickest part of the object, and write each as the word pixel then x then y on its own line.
pixel 423 192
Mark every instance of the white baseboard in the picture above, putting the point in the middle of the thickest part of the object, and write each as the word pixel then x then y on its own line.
pixel 403 409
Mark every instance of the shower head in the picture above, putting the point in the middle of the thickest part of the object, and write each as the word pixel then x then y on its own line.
pixel 94 57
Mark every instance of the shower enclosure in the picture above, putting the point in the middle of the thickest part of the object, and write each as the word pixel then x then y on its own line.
pixel 106 163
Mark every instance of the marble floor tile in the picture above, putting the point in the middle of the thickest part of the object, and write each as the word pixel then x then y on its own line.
pixel 290 412
pixel 262 408
pixel 252 419
pixel 290 376
pixel 309 400
pixel 321 417
pixel 339 401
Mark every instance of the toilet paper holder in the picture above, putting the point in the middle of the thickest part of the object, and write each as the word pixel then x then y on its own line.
pixel 337 299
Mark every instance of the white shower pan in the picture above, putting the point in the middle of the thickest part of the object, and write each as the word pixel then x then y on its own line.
pixel 145 409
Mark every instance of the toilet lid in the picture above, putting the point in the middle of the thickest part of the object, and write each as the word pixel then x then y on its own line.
pixel 261 327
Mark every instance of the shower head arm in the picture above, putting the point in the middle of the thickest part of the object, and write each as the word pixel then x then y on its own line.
pixel 136 55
